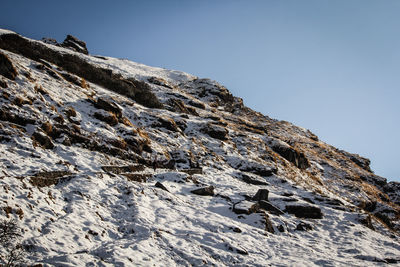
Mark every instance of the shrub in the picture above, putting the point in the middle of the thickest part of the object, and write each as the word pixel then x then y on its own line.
pixel 11 251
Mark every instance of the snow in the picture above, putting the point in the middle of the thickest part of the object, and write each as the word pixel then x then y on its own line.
pixel 100 218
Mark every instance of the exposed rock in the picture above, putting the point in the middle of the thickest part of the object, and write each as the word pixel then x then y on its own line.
pixel 245 207
pixel 43 140
pixel 367 221
pixel 6 67
pixel 269 207
pixel 253 180
pixel 51 41
pixel 137 177
pixel 302 226
pixel 262 194
pixel 269 227
pixel 205 191
pixel 108 105
pixel 3 83
pixel 357 159
pixel 107 117
pixel 49 178
pixel 36 50
pixel 167 123
pixel 75 44
pixel 236 230
pixel 291 154
pixel 123 169
pixel 307 212
pixel 160 185
pixel 215 131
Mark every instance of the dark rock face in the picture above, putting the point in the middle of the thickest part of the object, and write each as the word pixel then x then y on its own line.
pixel 73 43
pixel 291 154
pixel 262 194
pixel 245 207
pixel 265 205
pixel 108 105
pixel 307 212
pixel 357 159
pixel 215 131
pixel 253 180
pixel 205 191
pixel 6 67
pixel 302 226
pixel 35 50
pixel 367 222
pixel 43 140
pixel 161 186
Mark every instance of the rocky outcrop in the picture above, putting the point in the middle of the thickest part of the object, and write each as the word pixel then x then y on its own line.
pixel 205 191
pixel 307 212
pixel 215 131
pixel 6 68
pixel 73 43
pixel 290 154
pixel 135 89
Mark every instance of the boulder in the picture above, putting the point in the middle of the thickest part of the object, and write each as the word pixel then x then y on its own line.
pixel 215 131
pixel 302 211
pixel 73 43
pixel 108 105
pixel 265 205
pixel 302 226
pixel 262 194
pixel 245 207
pixel 253 180
pixel 6 67
pixel 205 191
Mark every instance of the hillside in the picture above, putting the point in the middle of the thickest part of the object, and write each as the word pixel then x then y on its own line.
pixel 109 162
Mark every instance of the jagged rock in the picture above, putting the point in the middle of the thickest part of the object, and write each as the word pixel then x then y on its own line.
pixel 269 207
pixel 262 194
pixel 43 140
pixel 75 44
pixel 137 177
pixel 3 83
pixel 123 169
pixel 108 105
pixel 215 131
pixel 357 159
pixel 307 212
pixel 281 228
pixel 107 117
pixel 35 50
pixel 367 222
pixel 160 185
pixel 205 191
pixel 269 227
pixel 6 67
pixel 245 207
pixel 253 180
pixel 51 41
pixel 302 226
pixel 291 154
pixel 43 179
pixel 167 123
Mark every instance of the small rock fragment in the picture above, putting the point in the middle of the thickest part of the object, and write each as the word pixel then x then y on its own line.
pixel 205 191
pixel 262 194
pixel 160 185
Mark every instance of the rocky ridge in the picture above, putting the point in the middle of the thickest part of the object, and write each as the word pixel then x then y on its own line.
pixel 116 163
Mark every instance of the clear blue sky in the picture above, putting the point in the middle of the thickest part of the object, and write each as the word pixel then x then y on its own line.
pixel 329 66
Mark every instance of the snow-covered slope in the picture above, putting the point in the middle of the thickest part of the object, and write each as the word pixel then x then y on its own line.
pixel 142 166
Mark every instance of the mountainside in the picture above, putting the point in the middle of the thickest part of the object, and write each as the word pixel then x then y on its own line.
pixel 109 162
